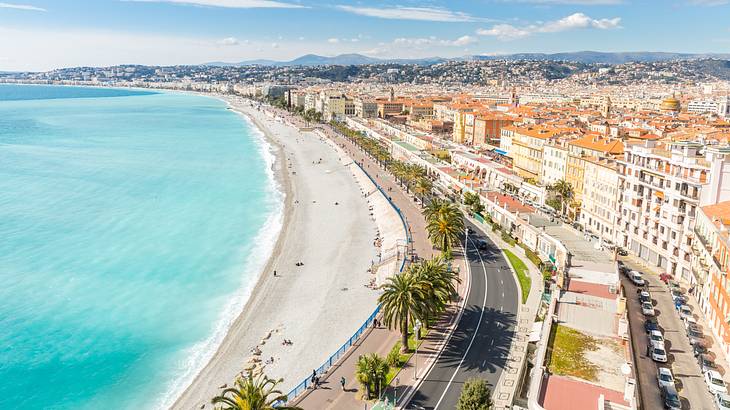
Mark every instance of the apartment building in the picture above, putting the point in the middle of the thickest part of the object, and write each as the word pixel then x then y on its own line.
pixel 663 186
pixel 527 146
pixel 333 107
pixel 579 150
pixel 710 264
pixel 365 108
pixel 488 128
pixel 599 212
pixel 554 161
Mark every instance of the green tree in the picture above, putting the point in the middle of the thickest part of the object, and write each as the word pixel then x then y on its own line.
pixel 474 202
pixel 444 224
pixel 251 393
pixel 563 190
pixel 475 395
pixel 437 282
pixel 402 300
pixel 372 371
pixel 423 187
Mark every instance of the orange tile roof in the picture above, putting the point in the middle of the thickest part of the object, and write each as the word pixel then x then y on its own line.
pixel 605 145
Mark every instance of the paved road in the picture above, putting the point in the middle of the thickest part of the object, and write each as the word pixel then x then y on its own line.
pixel 480 344
pixel 692 389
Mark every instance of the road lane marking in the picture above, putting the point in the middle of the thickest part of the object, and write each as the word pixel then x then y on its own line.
pixel 473 336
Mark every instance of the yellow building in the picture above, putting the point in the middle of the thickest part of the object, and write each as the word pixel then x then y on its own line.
pixel 579 151
pixel 526 150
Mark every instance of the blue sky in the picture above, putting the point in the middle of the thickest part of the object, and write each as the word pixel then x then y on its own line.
pixel 46 34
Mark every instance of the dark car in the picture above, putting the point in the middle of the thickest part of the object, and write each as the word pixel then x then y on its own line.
pixel 482 244
pixel 622 251
pixel 706 363
pixel 699 349
pixel 670 398
pixel 650 324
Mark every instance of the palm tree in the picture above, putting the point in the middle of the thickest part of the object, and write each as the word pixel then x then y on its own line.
pixel 444 223
pixel 437 282
pixel 251 393
pixel 372 371
pixel 402 300
pixel 423 187
pixel 564 190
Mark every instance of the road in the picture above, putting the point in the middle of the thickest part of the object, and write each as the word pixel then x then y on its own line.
pixel 690 385
pixel 480 344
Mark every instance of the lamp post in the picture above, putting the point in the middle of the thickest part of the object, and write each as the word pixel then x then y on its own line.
pixel 397 380
pixel 417 329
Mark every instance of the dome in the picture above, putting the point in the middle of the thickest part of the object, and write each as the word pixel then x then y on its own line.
pixel 670 104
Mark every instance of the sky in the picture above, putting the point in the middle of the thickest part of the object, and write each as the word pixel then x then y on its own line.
pixel 39 35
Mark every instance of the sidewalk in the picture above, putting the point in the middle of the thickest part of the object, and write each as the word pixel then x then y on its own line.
pixel 505 392
pixel 380 340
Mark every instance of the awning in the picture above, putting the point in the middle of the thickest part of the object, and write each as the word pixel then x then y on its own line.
pixel 659 194
pixel 500 151
pixel 536 332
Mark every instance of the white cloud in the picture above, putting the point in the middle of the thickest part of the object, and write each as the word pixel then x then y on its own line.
pixel 232 4
pixel 21 7
pixel 229 41
pixel 333 40
pixel 412 13
pixel 571 22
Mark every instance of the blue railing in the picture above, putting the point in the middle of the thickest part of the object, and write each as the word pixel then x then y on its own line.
pixel 306 383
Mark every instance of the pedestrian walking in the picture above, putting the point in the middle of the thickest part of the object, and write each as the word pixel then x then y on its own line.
pixel 342 383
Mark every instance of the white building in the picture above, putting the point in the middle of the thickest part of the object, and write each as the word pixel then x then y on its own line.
pixel 554 162
pixel 599 212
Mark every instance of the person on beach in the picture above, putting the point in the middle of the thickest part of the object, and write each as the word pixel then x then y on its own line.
pixel 342 383
pixel 274 273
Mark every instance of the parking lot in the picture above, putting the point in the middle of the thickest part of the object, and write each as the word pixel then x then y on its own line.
pixel 692 389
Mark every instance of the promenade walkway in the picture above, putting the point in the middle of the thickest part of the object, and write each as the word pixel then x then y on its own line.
pixel 380 340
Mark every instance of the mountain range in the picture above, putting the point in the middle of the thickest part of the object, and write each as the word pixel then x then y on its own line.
pixel 588 57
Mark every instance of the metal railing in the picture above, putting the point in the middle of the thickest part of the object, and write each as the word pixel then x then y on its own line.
pixel 307 382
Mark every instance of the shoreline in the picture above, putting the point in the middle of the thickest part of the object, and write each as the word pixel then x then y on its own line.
pixel 337 319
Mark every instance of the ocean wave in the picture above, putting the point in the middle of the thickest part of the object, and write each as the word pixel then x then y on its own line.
pixel 198 356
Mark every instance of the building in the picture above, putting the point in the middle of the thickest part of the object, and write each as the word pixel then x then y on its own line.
pixel 663 187
pixel 588 146
pixel 488 128
pixel 599 212
pixel 527 144
pixel 365 108
pixel 554 161
pixel 710 262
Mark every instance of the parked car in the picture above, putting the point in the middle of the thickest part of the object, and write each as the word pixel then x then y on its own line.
pixel 714 382
pixel 670 398
pixel 678 296
pixel 644 297
pixel 695 335
pixel 658 352
pixel 664 377
pixel 706 363
pixel 699 349
pixel 656 336
pixel 622 252
pixel 688 322
pixel 647 309
pixel 650 324
pixel 685 312
pixel 722 401
pixel 636 278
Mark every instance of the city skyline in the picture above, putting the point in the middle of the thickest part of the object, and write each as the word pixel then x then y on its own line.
pixel 47 35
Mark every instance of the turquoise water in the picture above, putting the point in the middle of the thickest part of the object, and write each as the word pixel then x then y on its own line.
pixel 132 225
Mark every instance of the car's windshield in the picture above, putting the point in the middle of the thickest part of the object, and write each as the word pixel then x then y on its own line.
pixel 724 402
pixel 656 337
pixel 716 382
pixel 659 351
pixel 665 377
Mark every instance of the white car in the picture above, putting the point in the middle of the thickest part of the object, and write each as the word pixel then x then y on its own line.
pixel 664 377
pixel 636 278
pixel 656 336
pixel 647 309
pixel 722 401
pixel 658 353
pixel 715 383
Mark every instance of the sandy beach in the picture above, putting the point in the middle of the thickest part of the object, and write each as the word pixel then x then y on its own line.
pixel 333 217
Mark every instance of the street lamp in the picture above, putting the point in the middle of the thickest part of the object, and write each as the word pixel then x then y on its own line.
pixel 397 380
pixel 417 329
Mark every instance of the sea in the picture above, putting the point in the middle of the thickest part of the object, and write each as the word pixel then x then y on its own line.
pixel 133 226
